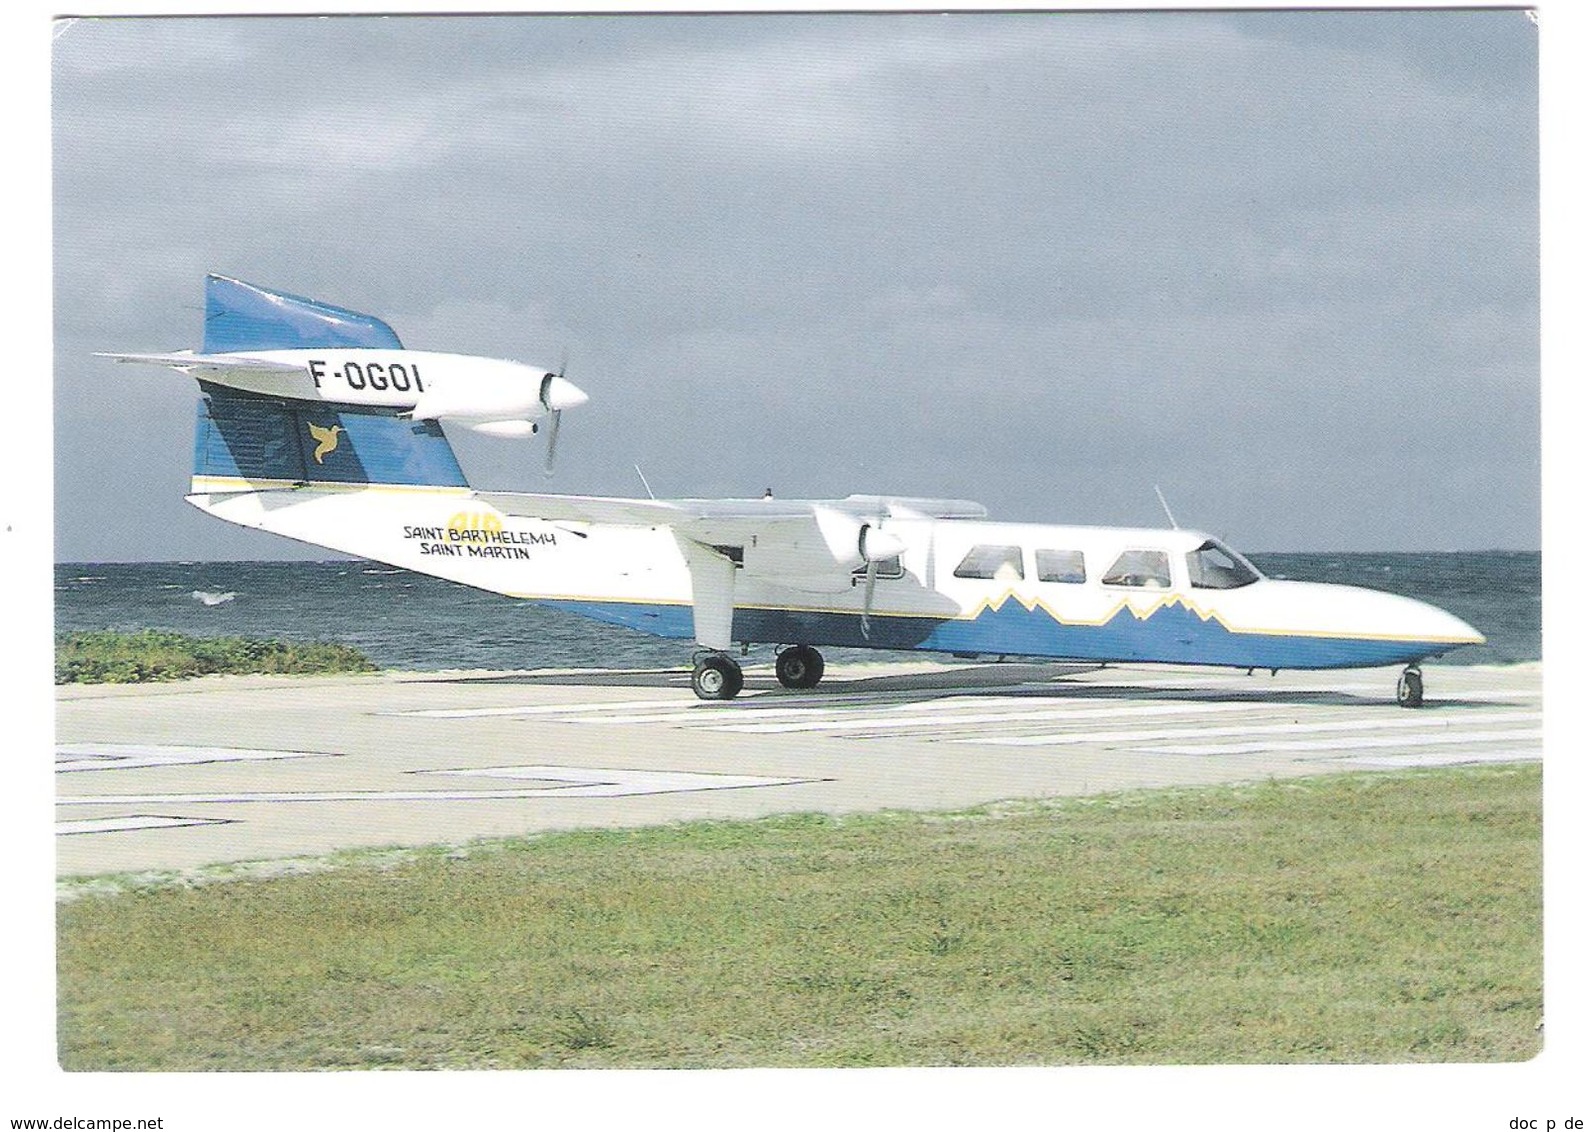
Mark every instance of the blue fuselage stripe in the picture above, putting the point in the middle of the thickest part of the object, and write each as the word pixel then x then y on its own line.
pixel 1172 635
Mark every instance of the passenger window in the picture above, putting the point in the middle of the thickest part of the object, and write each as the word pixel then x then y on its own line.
pixel 1004 563
pixel 1139 568
pixel 1060 565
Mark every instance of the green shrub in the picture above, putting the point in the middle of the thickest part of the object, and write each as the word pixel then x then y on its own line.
pixel 108 657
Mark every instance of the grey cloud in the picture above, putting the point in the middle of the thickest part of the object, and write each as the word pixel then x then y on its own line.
pixel 1043 260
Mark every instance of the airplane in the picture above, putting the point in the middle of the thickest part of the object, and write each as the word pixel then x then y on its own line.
pixel 317 458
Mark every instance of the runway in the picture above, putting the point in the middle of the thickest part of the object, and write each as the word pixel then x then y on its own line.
pixel 234 769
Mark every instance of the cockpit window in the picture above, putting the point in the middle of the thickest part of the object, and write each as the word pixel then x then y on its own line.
pixel 1214 566
pixel 1005 563
pixel 1139 568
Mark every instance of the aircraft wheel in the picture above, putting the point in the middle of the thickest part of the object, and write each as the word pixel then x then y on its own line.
pixel 1408 693
pixel 799 667
pixel 716 677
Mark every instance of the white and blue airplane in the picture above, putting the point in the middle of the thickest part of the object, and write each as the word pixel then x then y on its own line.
pixel 294 436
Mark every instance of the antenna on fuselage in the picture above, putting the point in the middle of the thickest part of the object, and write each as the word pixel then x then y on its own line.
pixel 644 480
pixel 1166 510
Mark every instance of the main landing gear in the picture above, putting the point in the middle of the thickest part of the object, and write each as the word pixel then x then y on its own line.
pixel 800 666
pixel 715 676
pixel 1408 693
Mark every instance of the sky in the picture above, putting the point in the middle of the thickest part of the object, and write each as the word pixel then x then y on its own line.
pixel 1283 265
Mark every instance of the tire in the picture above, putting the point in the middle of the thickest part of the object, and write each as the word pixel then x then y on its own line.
pixel 799 667
pixel 716 678
pixel 1408 693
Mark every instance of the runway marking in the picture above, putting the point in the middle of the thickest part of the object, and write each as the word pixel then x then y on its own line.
pixel 707 714
pixel 573 782
pixel 532 709
pixel 131 822
pixel 579 782
pixel 1386 691
pixel 870 723
pixel 1449 758
pixel 73 757
pixel 1344 744
pixel 1069 737
pixel 687 709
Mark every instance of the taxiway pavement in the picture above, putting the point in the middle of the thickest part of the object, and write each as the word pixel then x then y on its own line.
pixel 233 769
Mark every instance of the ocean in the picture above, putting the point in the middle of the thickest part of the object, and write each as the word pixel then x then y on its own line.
pixel 411 621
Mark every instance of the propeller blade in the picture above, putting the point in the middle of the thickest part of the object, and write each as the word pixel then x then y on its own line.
pixel 553 440
pixel 868 595
pixel 875 546
pixel 557 395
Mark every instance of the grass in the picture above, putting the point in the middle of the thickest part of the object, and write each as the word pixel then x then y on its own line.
pixel 108 657
pixel 1352 918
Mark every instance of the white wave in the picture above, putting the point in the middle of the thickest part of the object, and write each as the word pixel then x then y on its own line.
pixel 210 597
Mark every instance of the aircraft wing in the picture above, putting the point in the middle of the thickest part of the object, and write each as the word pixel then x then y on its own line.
pixel 186 361
pixel 721 522
pixel 808 545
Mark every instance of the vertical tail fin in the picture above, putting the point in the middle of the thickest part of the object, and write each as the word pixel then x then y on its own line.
pixel 248 442
pixel 242 316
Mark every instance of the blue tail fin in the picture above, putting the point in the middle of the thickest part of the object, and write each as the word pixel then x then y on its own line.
pixel 271 442
pixel 240 316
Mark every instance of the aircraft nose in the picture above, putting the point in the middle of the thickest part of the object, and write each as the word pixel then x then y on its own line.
pixel 561 393
pixel 1429 622
pixel 1459 628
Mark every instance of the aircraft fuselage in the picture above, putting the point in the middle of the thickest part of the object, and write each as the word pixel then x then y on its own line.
pixel 959 586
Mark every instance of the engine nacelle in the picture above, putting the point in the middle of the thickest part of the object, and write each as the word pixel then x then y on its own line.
pixel 509 430
pixel 852 543
pixel 875 545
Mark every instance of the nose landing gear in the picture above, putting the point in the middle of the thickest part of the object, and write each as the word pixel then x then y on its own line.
pixel 1408 693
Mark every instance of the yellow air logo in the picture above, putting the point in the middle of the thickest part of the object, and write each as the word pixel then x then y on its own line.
pixel 473 521
pixel 326 439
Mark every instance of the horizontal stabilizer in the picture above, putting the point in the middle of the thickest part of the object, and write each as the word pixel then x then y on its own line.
pixel 186 361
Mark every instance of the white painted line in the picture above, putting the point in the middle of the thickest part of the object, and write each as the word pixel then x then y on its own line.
pixel 1347 744
pixel 878 722
pixel 537 709
pixel 1268 691
pixel 824 706
pixel 131 822
pixel 574 782
pixel 1063 738
pixel 592 782
pixel 112 756
pixel 689 710
pixel 1450 758
pixel 699 715
pixel 246 796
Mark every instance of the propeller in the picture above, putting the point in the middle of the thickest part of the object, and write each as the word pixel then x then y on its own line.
pixel 556 396
pixel 875 546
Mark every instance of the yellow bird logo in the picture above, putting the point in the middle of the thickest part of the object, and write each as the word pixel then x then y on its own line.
pixel 326 438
